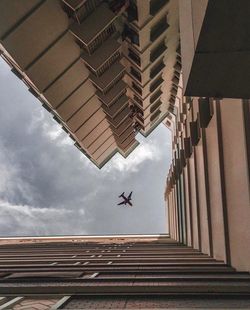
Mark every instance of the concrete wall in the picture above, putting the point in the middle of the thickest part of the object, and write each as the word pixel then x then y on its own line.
pixel 236 182
pixel 216 191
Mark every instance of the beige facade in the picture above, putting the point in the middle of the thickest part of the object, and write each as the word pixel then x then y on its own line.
pixel 97 66
pixel 115 272
pixel 208 185
pixel 208 182
pixel 107 69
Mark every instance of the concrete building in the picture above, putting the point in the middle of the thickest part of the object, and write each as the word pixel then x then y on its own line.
pixel 200 88
pixel 208 192
pixel 115 272
pixel 98 66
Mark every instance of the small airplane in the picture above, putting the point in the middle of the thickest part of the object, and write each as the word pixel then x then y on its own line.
pixel 125 199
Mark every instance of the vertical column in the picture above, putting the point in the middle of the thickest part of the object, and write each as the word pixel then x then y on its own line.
pixel 236 169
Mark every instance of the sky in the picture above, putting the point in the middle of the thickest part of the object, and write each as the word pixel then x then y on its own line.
pixel 48 187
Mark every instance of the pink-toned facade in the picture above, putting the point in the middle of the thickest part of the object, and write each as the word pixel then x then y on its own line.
pixel 182 61
pixel 208 185
pixel 97 66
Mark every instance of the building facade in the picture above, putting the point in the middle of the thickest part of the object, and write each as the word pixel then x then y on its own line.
pixel 208 185
pixel 115 272
pixel 98 66
pixel 107 69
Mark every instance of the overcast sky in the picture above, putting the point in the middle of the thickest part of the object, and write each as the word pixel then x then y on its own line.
pixel 47 187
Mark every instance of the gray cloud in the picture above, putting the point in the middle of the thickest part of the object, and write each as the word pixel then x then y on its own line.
pixel 48 187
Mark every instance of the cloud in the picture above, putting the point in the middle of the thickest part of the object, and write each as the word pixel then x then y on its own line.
pixel 148 151
pixel 37 221
pixel 48 187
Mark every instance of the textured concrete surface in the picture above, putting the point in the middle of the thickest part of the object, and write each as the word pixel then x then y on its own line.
pixel 157 302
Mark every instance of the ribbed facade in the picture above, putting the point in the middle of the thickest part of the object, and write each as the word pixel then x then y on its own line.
pixel 98 66
pixel 107 69
pixel 116 273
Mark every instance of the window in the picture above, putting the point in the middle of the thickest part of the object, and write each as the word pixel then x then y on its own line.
pixel 177 66
pixel 156 83
pixel 137 88
pixel 158 29
pixel 172 109
pixel 156 69
pixel 156 5
pixel 132 11
pixel 134 57
pixel 155 96
pixel 135 73
pixel 140 118
pixel 194 132
pixel 155 53
pixel 155 106
pixel 187 147
pixel 205 111
pixel 155 115
pixel 138 100
pixel 131 34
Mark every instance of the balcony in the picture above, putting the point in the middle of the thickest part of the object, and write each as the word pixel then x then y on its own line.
pixel 132 12
pixel 154 117
pixel 79 9
pixel 116 91
pixel 134 57
pixel 122 127
pixel 156 83
pixel 110 77
pixel 126 134
pixel 157 52
pixel 155 106
pixel 129 140
pixel 118 119
pixel 137 88
pixel 138 100
pixel 156 5
pixel 103 57
pixel 116 107
pixel 155 96
pixel 131 34
pixel 95 29
pixel 116 5
pixel 158 29
pixel 157 69
pixel 135 73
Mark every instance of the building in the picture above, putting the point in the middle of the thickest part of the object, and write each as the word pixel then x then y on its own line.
pixel 98 66
pixel 200 89
pixel 115 272
pixel 208 191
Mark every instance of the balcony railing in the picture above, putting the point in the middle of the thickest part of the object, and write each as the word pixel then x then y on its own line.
pixel 101 38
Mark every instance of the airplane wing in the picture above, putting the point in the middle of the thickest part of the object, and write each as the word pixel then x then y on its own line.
pixel 121 203
pixel 121 195
pixel 129 197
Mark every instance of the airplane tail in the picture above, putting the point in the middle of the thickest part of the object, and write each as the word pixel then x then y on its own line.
pixel 121 194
